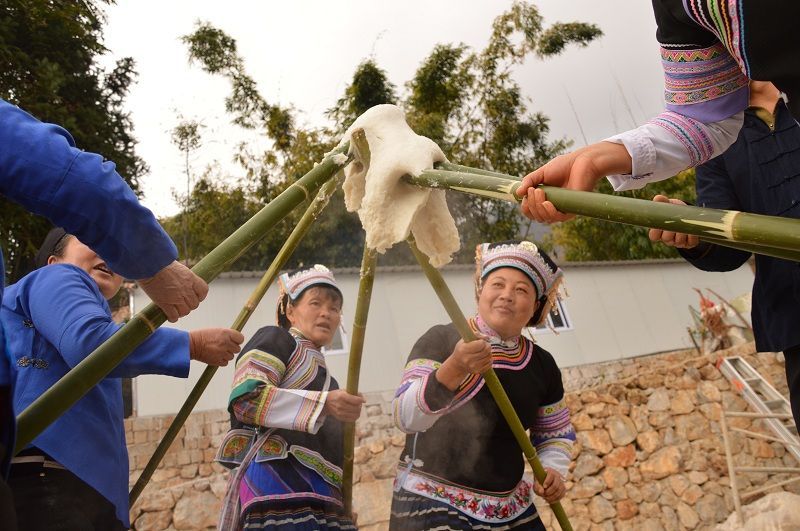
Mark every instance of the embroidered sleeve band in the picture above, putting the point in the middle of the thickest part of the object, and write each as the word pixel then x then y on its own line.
pixel 671 143
pixel 257 399
pixel 421 399
pixel 553 435
pixel 705 84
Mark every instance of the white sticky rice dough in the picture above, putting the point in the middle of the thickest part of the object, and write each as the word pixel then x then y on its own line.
pixel 389 208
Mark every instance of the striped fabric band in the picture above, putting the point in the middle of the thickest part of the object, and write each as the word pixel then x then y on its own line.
pixel 552 430
pixel 689 132
pixel 724 19
pixel 277 397
pixel 696 76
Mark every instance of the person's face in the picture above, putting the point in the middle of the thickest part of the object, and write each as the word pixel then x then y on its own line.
pixel 317 315
pixel 507 301
pixel 77 254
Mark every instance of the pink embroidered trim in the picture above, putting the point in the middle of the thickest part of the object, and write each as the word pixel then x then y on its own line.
pixel 689 132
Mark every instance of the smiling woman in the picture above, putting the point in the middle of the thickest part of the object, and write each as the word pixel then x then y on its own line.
pixel 53 317
pixel 67 249
pixel 475 480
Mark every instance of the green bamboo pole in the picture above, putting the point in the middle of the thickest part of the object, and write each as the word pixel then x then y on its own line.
pixel 97 365
pixel 785 254
pixel 492 382
pixel 368 264
pixel 768 235
pixel 299 231
pixel 449 166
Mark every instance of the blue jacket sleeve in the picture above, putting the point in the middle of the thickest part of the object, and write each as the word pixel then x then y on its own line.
pixel 715 190
pixel 77 320
pixel 41 169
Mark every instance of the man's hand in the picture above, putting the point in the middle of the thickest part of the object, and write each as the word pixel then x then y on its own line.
pixel 667 237
pixel 343 406
pixel 176 290
pixel 214 346
pixel 552 489
pixel 579 170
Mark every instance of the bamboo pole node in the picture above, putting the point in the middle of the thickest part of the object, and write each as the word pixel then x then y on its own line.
pixel 149 323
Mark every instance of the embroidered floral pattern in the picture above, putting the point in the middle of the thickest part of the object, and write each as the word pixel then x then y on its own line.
pixel 481 506
pixel 314 461
pixel 234 447
pixel 273 448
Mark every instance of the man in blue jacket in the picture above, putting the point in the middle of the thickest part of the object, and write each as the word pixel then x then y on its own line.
pixel 41 169
pixel 759 173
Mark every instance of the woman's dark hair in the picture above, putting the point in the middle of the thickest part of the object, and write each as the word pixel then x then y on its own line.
pixel 54 245
pixel 328 291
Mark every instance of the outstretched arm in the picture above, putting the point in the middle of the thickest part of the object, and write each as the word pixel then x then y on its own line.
pixel 705 94
pixel 41 169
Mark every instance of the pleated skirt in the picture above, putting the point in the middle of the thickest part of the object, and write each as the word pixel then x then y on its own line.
pixel 283 495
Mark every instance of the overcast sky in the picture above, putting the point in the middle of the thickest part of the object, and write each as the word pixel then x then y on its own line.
pixel 303 53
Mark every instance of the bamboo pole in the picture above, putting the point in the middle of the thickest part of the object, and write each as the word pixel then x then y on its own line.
pixel 749 415
pixel 367 277
pixel 368 264
pixel 768 235
pixel 731 467
pixel 97 365
pixel 775 469
pixel 492 381
pixel 753 492
pixel 770 438
pixel 299 231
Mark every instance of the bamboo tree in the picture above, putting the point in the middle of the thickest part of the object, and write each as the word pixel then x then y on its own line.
pixel 492 382
pixel 768 235
pixel 299 231
pixel 97 365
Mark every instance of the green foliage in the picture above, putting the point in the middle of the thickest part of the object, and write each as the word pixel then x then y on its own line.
pixel 553 40
pixel 210 204
pixel 466 100
pixel 583 238
pixel 216 53
pixel 48 67
pixel 370 87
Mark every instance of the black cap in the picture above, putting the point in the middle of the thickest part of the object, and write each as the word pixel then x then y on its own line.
pixel 51 241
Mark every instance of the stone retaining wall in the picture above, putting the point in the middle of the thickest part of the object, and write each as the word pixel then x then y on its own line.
pixel 649 453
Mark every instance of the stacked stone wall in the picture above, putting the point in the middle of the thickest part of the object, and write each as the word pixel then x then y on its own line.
pixel 649 454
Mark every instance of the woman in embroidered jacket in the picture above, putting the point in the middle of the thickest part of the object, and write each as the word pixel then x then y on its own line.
pixel 286 415
pixel 461 467
pixel 74 475
pixel 709 50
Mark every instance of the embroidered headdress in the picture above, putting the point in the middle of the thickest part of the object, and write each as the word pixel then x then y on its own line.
pixel 294 283
pixel 525 256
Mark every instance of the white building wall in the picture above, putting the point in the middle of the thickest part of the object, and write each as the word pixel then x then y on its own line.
pixel 615 310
